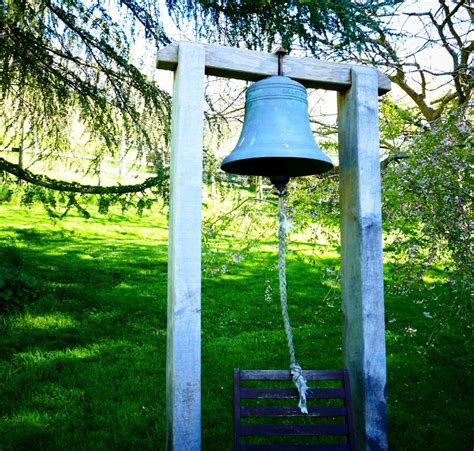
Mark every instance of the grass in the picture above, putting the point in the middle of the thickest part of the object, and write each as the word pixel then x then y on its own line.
pixel 83 367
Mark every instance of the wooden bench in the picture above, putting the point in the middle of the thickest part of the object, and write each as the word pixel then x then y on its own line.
pixel 329 416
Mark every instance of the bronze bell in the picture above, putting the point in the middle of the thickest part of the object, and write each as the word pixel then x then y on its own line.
pixel 276 139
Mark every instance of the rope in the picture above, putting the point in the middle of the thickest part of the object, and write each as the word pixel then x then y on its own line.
pixel 296 371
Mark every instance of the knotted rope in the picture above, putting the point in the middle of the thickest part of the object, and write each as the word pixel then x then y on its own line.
pixel 296 371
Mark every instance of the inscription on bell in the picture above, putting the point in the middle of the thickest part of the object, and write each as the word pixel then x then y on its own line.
pixel 294 92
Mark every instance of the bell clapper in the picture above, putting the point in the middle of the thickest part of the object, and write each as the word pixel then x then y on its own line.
pixel 280 182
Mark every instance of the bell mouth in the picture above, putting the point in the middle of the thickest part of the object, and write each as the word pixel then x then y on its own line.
pixel 277 166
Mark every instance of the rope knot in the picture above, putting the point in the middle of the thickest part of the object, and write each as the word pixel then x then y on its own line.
pixel 301 384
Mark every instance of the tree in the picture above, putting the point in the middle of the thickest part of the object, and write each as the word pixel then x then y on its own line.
pixel 262 24
pixel 60 57
pixel 445 31
pixel 65 61
pixel 390 34
pixel 427 197
pixel 71 60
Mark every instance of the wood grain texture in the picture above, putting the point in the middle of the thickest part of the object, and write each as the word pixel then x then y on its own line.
pixel 243 64
pixel 361 258
pixel 183 352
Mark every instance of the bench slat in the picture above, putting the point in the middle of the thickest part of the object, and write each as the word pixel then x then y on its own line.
pixel 281 375
pixel 315 447
pixel 321 393
pixel 293 411
pixel 293 429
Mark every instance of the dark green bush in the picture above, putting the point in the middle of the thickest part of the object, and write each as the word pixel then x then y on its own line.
pixel 6 191
pixel 18 287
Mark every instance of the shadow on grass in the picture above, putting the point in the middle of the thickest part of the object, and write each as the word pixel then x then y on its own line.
pixel 84 366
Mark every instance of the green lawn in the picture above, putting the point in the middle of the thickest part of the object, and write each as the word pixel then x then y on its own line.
pixel 83 367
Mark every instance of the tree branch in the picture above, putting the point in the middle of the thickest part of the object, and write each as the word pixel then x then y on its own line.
pixel 391 158
pixel 400 79
pixel 74 187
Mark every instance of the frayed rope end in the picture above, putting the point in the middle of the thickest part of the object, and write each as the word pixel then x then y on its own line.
pixel 301 384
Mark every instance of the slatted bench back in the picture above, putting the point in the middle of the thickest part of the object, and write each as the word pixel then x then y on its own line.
pixel 254 403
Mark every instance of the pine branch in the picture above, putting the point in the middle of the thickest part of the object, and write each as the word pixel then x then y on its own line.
pixel 74 187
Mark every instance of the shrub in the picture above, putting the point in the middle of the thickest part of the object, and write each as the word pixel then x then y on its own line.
pixel 17 286
pixel 6 192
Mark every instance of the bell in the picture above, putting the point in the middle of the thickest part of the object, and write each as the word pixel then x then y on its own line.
pixel 276 139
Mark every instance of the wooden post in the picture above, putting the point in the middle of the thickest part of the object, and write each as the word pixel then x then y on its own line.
pixel 183 353
pixel 361 253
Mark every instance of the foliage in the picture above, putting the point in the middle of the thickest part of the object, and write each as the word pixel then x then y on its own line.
pixel 71 62
pixel 60 197
pixel 316 199
pixel 58 204
pixel 263 24
pixel 428 197
pixel 18 287
pixel 6 191
pixel 248 220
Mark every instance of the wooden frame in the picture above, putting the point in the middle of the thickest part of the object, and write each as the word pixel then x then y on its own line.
pixel 361 232
pixel 243 64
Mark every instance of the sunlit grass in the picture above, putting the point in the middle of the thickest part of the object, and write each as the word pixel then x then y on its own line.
pixel 54 320
pixel 83 367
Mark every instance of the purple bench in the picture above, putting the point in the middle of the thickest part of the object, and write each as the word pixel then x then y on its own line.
pixel 327 426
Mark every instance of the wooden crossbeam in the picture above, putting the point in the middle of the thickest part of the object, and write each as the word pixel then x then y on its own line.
pixel 251 65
